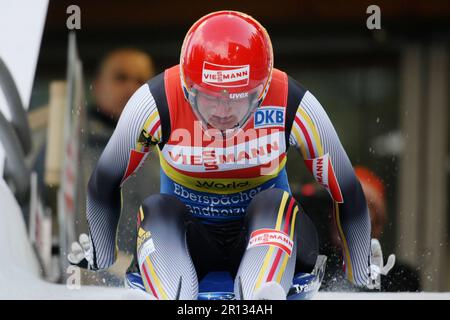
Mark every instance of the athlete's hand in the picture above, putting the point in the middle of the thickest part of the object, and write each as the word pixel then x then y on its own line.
pixel 81 253
pixel 377 267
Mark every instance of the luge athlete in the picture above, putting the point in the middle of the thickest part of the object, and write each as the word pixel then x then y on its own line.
pixel 222 122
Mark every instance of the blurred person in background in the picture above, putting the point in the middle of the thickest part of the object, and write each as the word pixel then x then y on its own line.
pixel 119 74
pixel 316 200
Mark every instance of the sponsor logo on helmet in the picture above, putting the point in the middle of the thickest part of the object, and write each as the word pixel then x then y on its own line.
pixel 271 237
pixel 238 95
pixel 225 76
pixel 269 117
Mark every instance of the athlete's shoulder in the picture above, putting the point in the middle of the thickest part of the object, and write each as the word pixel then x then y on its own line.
pixel 281 81
pixel 278 76
pixel 294 97
pixel 166 77
pixel 164 88
pixel 172 76
pixel 296 90
pixel 157 82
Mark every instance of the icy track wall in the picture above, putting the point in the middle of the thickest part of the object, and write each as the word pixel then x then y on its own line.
pixel 19 268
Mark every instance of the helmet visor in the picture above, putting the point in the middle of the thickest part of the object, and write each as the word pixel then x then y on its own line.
pixel 224 110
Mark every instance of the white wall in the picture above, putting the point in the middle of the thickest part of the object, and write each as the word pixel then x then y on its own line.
pixel 21 26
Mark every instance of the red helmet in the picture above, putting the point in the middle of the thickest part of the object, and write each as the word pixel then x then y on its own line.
pixel 225 66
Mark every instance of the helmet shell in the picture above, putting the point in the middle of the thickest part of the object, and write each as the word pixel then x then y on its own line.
pixel 226 51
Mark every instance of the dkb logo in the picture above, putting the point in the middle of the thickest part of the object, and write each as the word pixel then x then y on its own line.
pixel 269 117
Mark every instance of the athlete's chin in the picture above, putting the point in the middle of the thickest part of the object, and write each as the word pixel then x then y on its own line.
pixel 223 125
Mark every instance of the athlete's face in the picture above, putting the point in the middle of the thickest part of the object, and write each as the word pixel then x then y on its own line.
pixel 222 113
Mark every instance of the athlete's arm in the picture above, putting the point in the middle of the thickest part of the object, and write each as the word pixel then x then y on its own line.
pixel 313 134
pixel 138 128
